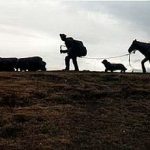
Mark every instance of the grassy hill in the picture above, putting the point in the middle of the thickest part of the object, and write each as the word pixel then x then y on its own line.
pixel 74 111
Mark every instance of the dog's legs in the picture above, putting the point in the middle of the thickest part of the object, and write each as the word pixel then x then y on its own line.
pixel 106 70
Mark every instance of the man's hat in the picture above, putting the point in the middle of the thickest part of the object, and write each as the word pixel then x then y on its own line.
pixel 63 35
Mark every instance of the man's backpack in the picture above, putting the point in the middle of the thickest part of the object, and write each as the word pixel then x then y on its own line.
pixel 79 48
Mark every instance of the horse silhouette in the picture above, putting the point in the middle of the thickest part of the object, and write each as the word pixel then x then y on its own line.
pixel 142 47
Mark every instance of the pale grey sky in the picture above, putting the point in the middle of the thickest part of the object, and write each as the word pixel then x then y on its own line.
pixel 32 27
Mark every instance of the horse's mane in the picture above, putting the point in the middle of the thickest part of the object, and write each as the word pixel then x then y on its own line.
pixel 143 44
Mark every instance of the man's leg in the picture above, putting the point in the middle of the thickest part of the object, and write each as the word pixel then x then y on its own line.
pixel 67 62
pixel 74 60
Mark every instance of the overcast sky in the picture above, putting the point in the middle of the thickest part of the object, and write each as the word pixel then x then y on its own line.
pixel 32 28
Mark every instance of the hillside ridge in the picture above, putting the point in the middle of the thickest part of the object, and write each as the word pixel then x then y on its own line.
pixel 74 110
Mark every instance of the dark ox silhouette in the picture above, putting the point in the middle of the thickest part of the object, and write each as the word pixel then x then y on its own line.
pixel 8 64
pixel 31 64
pixel 112 67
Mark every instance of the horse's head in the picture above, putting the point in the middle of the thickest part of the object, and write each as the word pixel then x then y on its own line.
pixel 132 47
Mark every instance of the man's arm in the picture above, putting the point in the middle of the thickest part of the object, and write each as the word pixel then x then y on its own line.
pixel 63 51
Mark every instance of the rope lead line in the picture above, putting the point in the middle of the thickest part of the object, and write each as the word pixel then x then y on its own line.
pixel 97 57
pixel 106 57
pixel 114 57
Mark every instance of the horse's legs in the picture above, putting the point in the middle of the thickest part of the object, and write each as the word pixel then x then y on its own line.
pixel 143 66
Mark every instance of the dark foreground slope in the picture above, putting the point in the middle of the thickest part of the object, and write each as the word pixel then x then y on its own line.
pixel 74 111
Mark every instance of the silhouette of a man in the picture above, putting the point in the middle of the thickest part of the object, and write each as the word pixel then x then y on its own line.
pixel 71 51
